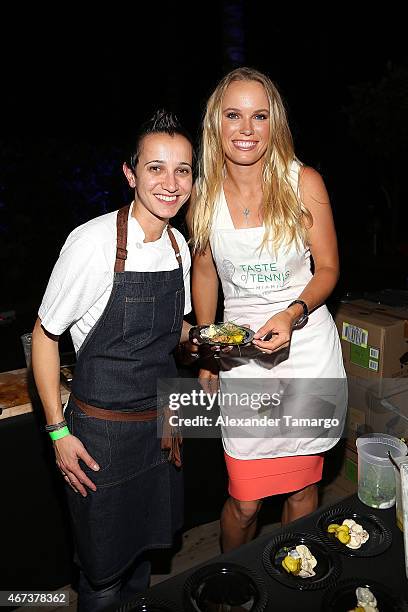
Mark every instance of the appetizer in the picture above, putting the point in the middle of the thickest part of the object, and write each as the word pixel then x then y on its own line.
pixel 300 562
pixel 366 602
pixel 224 333
pixel 349 533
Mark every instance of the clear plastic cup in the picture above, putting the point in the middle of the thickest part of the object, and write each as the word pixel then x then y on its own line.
pixel 398 491
pixel 404 497
pixel 376 480
pixel 26 340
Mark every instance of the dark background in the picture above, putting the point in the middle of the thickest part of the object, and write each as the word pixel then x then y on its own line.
pixel 78 80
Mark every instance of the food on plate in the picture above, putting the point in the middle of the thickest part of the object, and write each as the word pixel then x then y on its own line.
pixel 366 601
pixel 292 565
pixel 300 562
pixel 349 533
pixel 225 333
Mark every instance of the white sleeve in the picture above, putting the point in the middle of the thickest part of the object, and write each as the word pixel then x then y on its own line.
pixel 79 278
pixel 186 261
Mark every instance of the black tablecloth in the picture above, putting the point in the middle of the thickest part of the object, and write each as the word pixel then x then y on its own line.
pixel 387 568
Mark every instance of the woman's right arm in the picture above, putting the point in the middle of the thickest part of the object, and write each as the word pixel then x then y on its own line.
pixel 81 275
pixel 204 278
pixel 204 293
pixel 69 449
pixel 204 286
pixel 46 369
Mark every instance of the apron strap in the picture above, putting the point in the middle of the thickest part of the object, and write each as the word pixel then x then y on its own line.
pixel 121 238
pixel 175 246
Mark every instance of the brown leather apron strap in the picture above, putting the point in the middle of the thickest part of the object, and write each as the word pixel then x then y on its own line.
pixel 121 238
pixel 174 245
pixel 115 415
pixel 171 437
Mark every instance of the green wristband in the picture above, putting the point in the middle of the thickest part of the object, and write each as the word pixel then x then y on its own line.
pixel 60 433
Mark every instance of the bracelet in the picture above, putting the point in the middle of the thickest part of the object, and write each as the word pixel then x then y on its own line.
pixel 56 426
pixel 61 433
pixel 305 314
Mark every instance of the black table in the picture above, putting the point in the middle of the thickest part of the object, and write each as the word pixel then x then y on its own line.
pixel 387 568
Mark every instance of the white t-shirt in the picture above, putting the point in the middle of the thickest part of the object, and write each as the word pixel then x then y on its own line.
pixel 82 279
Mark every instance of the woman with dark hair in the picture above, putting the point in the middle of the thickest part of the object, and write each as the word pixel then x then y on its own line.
pixel 257 218
pixel 121 286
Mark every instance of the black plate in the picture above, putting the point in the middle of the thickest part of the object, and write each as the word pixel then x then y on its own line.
pixel 328 566
pixel 194 334
pixel 342 596
pixel 146 603
pixel 229 585
pixel 380 536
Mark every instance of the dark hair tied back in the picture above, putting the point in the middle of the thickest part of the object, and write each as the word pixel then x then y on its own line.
pixel 162 122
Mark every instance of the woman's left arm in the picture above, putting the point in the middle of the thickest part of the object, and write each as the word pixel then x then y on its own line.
pixel 322 240
pixel 323 247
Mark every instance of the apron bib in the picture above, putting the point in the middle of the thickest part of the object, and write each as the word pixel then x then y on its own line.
pixel 257 285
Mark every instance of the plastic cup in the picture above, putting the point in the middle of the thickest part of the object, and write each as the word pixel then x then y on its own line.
pixel 26 340
pixel 404 497
pixel 398 491
pixel 376 480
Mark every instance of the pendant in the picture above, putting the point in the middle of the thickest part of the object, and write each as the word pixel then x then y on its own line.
pixel 246 212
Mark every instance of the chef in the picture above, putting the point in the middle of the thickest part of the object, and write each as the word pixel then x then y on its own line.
pixel 121 286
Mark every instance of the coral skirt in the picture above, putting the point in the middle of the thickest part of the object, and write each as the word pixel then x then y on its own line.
pixel 251 479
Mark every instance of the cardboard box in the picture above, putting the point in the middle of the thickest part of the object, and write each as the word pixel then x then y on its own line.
pixel 348 476
pixel 374 342
pixel 350 466
pixel 374 339
pixel 370 412
pixel 394 311
pixel 358 411
pixel 390 415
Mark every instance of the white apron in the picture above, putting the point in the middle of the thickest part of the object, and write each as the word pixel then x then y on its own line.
pixel 256 286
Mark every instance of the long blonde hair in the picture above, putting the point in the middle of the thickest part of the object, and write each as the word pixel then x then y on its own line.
pixel 283 213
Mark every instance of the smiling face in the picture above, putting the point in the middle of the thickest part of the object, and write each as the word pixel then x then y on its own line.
pixel 163 176
pixel 245 124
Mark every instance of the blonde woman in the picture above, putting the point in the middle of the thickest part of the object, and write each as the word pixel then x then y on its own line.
pixel 259 209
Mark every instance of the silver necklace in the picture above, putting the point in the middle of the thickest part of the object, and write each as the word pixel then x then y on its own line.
pixel 246 212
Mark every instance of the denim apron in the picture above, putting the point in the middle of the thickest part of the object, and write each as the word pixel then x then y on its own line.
pixel 138 504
